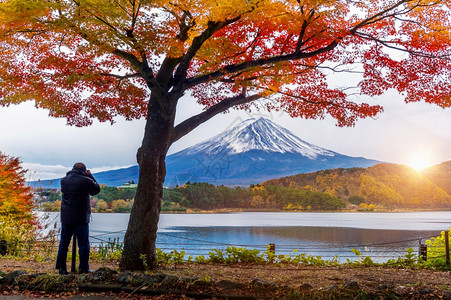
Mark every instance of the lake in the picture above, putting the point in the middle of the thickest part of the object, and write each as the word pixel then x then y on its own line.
pixel 325 234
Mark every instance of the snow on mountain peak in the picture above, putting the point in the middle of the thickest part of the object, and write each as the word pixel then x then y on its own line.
pixel 257 134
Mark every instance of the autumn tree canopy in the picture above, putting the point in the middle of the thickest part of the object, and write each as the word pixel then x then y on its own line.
pixel 100 58
pixel 97 59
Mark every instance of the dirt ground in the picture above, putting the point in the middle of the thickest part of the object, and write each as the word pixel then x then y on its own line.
pixel 406 283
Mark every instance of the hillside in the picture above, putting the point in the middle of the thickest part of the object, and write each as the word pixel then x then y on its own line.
pixel 441 175
pixel 389 185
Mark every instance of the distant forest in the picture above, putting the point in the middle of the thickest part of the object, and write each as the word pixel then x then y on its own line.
pixel 387 185
pixel 381 187
pixel 204 196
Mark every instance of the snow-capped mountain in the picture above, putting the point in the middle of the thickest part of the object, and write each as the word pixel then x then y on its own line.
pixel 251 152
pixel 257 134
pixel 254 151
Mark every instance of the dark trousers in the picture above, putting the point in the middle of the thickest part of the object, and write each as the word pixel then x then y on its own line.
pixel 82 234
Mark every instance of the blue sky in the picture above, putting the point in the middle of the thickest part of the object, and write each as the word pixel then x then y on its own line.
pixel 404 133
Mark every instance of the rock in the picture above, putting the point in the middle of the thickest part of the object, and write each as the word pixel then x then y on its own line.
pixel 83 278
pixel 351 285
pixel 203 282
pixel 425 291
pixel 263 283
pixel 383 287
pixel 125 277
pixel 2 277
pixel 189 280
pixel 9 278
pixel 331 288
pixel 170 280
pixel 446 295
pixel 230 285
pixel 104 274
pixel 306 287
pixel 146 279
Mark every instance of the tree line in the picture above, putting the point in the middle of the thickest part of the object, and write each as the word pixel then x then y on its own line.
pixel 110 199
pixel 381 187
pixel 205 196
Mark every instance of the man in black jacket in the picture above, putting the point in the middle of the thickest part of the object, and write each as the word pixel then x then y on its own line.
pixel 75 215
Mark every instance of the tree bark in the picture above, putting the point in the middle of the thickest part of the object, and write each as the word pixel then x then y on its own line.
pixel 139 242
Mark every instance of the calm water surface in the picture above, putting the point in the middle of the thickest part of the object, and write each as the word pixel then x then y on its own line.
pixel 380 235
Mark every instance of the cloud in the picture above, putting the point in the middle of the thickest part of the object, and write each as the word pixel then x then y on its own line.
pixel 39 171
pixel 42 172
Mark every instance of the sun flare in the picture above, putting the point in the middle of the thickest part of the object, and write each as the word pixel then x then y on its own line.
pixel 420 161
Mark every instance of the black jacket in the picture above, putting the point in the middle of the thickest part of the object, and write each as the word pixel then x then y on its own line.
pixel 76 205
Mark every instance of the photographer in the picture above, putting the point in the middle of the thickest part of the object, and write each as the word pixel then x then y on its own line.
pixel 75 215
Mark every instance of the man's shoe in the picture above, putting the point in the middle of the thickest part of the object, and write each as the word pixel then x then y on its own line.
pixel 63 272
pixel 84 271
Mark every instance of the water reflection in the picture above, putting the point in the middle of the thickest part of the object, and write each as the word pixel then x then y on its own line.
pixel 323 241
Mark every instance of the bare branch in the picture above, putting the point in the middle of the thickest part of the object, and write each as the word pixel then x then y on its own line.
pixel 392 45
pixel 377 17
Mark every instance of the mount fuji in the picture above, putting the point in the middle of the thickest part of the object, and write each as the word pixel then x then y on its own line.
pixel 254 151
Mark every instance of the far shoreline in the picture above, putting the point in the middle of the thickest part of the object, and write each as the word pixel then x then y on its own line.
pixel 243 210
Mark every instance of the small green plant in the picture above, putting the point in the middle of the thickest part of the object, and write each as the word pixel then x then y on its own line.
pixel 362 260
pixel 112 250
pixel 410 258
pixel 436 251
pixel 216 256
pixel 175 256
pixel 200 259
pixel 269 255
pixel 178 257
pixel 243 255
pixel 143 258
pixel 163 257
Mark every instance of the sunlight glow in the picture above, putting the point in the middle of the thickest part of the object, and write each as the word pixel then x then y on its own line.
pixel 420 161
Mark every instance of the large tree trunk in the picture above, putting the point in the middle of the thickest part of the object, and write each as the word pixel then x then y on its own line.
pixel 139 243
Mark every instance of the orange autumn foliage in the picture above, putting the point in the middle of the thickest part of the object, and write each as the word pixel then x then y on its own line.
pixel 17 222
pixel 100 59
pixel 15 196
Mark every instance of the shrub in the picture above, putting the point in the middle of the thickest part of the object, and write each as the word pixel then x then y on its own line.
pixel 17 223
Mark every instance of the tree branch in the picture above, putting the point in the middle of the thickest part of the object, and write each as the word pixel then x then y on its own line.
pixel 121 76
pixel 377 16
pixel 256 63
pixel 302 32
pixel 392 45
pixel 198 41
pixel 188 125
pixel 143 69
